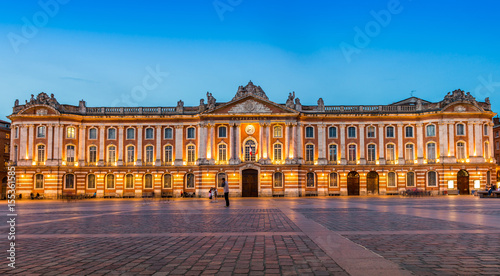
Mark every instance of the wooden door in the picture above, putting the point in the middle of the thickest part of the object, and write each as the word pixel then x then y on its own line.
pixel 353 183
pixel 250 183
pixel 463 182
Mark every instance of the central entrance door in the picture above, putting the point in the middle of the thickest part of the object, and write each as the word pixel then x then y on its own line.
pixel 250 183
pixel 463 182
pixel 372 183
pixel 353 183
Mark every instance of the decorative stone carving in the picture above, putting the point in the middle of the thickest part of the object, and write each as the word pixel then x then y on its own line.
pixel 250 129
pixel 42 98
pixel 289 101
pixel 211 101
pixel 41 111
pixel 250 89
pixel 321 105
pixel 250 106
pixel 460 108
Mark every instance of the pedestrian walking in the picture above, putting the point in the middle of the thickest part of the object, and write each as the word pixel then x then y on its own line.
pixel 226 191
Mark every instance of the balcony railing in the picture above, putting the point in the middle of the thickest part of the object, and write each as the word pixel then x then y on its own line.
pixel 148 163
pixel 352 162
pixel 371 162
pixel 309 162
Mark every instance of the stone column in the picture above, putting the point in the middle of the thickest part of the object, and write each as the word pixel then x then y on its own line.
pixel 231 143
pixel 262 143
pixel 23 135
pixel 50 142
pixel 31 136
pixel 81 150
pixel 139 146
pixel 322 145
pixel 158 146
pixel 490 138
pixel 238 143
pixel 420 140
pixel 451 143
pixel 208 154
pixel 478 138
pixel 381 144
pixel 400 143
pixel 362 159
pixel 443 141
pixel 293 144
pixel 343 159
pixel 179 145
pixel 56 153
pixel 101 145
pixel 120 145
pixel 470 134
pixel 287 141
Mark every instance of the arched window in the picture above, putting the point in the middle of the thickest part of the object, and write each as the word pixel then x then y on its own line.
pixel 69 182
pixel 148 181
pixel 332 132
pixel 309 153
pixel 370 132
pixel 277 152
pixel 150 133
pixel 310 180
pixel 222 132
pixel 372 155
pixel 130 133
pixel 220 176
pixel 430 130
pixel 334 180
pixel 222 152
pixel 460 129
pixel 93 133
pixel 432 179
pixel 352 155
pixel 149 154
pixel 130 154
pixel 169 133
pixel 431 151
pixel 70 153
pixel 191 154
pixel 111 133
pixel 332 153
pixel 92 154
pixel 91 181
pixel 390 152
pixel 70 133
pixel 278 180
pixel 409 152
pixel 190 181
pixel 391 179
pixel 41 131
pixel 487 150
pixel 190 133
pixel 167 181
pixel 111 154
pixel 250 150
pixel 309 132
pixel 39 181
pixel 110 181
pixel 277 132
pixel 40 155
pixel 168 154
pixel 389 132
pixel 129 181
pixel 351 132
pixel 410 179
pixel 460 150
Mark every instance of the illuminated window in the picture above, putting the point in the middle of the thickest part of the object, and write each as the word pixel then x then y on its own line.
pixel 432 179
pixel 190 181
pixel 278 180
pixel 40 156
pixel 129 181
pixel 111 154
pixel 333 180
pixel 431 151
pixel 391 179
pixel 222 152
pixel 220 176
pixel 130 154
pixel 70 133
pixel 149 154
pixel 332 153
pixel 391 152
pixel 310 180
pixel 309 153
pixel 277 132
pixel 70 153
pixel 410 179
pixel 460 150
pixel 110 181
pixel 91 181
pixel 167 181
pixel 70 181
pixel 191 154
pixel 92 154
pixel 409 152
pixel 372 153
pixel 250 150
pixel 168 153
pixel 352 156
pixel 277 152
pixel 148 181
pixel 38 181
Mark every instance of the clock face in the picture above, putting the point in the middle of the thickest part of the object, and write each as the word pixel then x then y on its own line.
pixel 250 129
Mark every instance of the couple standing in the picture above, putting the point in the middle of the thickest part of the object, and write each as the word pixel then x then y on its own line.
pixel 226 191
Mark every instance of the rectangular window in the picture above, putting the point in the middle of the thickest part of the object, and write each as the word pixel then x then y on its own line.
pixel 16 133
pixel 70 153
pixel 41 132
pixel 92 154
pixel 91 181
pixel 351 132
pixel 370 132
pixel 333 180
pixel 129 181
pixel 432 179
pixel 332 132
pixel 309 153
pixel 309 132
pixel 222 152
pixel 391 179
pixel 431 130
pixel 70 133
pixel 389 132
pixel 222 132
pixel 112 133
pixel 168 154
pixel 278 180
pixel 352 153
pixel 409 132
pixel 333 153
pixel 168 133
pixel 92 133
pixel 410 179
pixel 371 153
pixel 39 181
pixel 150 133
pixel 485 130
pixel 130 134
pixel 190 133
pixel 460 129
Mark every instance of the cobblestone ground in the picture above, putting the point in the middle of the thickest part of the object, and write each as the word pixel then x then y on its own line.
pixel 265 236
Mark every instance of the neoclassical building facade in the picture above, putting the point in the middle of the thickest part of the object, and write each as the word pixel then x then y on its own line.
pixel 261 147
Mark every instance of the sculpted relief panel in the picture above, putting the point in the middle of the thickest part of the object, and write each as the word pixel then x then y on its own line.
pixel 250 106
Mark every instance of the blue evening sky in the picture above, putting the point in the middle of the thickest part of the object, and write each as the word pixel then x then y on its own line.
pixel 347 51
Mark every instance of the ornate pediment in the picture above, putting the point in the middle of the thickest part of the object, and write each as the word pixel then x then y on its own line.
pixel 250 89
pixel 250 106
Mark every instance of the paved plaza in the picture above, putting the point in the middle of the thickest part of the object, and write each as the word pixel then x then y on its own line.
pixel 453 235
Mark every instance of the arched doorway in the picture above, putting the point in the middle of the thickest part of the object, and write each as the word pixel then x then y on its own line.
pixel 463 182
pixel 372 183
pixel 250 183
pixel 353 183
